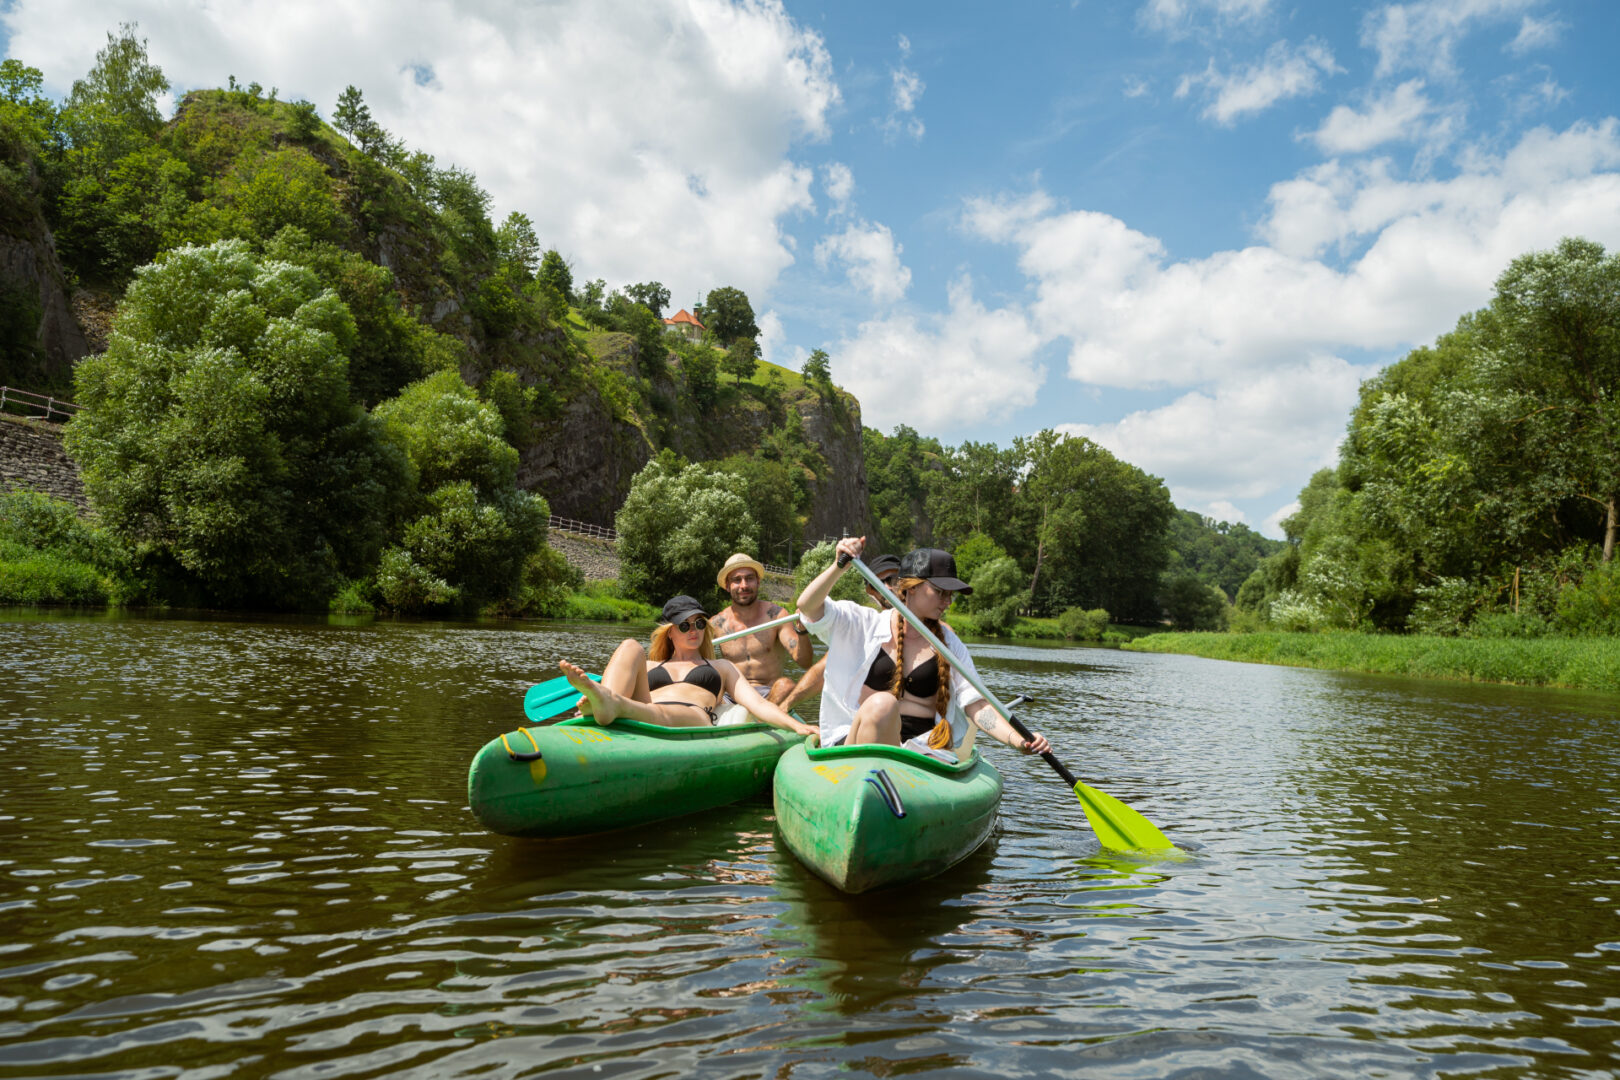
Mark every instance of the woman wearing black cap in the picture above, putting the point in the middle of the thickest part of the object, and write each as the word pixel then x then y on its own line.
pixel 676 682
pixel 885 686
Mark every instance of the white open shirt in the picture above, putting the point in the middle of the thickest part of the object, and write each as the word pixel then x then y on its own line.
pixel 854 634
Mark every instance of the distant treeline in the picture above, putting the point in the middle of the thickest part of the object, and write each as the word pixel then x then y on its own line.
pixel 1054 523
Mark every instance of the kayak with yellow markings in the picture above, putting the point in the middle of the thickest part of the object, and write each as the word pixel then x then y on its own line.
pixel 576 777
pixel 866 817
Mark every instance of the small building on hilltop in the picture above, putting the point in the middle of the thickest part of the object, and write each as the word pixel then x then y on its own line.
pixel 683 322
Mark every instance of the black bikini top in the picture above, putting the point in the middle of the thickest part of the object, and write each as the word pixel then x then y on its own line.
pixel 923 682
pixel 704 676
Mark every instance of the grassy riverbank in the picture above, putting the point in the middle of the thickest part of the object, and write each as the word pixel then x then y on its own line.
pixel 1582 663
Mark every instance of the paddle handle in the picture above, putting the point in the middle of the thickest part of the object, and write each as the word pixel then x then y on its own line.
pixel 1050 758
pixel 773 624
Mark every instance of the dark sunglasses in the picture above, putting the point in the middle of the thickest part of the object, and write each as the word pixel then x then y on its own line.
pixel 700 623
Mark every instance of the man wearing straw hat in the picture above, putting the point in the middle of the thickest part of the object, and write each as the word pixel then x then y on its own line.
pixel 761 657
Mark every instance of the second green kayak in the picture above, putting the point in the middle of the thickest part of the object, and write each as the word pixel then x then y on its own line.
pixel 575 778
pixel 864 817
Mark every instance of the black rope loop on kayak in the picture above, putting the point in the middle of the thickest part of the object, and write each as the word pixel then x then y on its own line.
pixel 535 755
pixel 885 787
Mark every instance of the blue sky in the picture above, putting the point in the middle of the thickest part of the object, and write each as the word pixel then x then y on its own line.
pixel 1187 229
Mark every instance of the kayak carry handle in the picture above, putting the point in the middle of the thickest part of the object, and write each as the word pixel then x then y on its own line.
pixel 525 755
pixel 889 793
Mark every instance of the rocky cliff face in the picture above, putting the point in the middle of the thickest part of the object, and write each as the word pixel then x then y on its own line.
pixel 31 279
pixel 583 462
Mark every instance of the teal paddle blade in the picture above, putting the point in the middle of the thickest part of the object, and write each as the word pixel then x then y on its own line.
pixel 1118 827
pixel 551 698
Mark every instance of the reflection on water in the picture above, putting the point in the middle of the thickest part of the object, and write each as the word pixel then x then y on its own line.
pixel 241 848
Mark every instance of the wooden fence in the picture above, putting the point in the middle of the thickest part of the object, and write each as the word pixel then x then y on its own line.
pixel 602 532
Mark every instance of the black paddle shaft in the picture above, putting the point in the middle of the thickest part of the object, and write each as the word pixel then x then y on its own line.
pixel 844 559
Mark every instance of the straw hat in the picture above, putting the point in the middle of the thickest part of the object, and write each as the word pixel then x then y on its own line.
pixel 737 562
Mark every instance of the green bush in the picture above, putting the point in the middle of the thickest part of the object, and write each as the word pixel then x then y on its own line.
pixel 851 586
pixel 677 526
pixel 1592 606
pixel 1078 624
pixel 974 552
pixel 1191 604
pixel 32 577
pixel 994 583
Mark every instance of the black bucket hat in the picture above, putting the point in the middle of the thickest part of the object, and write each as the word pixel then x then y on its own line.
pixel 935 566
pixel 680 608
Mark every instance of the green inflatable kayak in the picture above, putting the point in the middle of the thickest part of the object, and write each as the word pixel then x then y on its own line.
pixel 864 817
pixel 575 777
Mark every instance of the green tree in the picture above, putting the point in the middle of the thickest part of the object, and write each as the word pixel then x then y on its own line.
pixel 700 366
pixel 728 315
pixel 303 121
pixel 517 246
pixel 113 109
pixel 353 117
pixel 899 470
pixel 554 272
pixel 677 526
pixel 974 492
pixel 651 295
pixel 817 371
pixel 1192 604
pixel 848 587
pixel 218 438
pixel 741 360
pixel 1100 527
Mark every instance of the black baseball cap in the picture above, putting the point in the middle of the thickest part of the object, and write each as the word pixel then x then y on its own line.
pixel 935 566
pixel 884 564
pixel 680 608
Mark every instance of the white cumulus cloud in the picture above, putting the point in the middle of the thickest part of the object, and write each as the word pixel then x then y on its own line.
pixel 1284 72
pixel 1391 116
pixel 870 257
pixel 839 182
pixel 676 167
pixel 1235 441
pixel 965 365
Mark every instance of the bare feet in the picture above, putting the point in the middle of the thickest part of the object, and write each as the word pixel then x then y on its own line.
pixel 598 701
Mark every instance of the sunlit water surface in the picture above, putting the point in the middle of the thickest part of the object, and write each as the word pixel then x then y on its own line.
pixel 242 848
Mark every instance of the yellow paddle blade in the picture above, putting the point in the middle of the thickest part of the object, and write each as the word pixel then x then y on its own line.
pixel 1118 827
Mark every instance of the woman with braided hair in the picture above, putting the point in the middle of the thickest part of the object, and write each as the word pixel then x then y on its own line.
pixel 884 685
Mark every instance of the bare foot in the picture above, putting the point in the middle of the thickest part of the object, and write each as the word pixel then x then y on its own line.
pixel 598 701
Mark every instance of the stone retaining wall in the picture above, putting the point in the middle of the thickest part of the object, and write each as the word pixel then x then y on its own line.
pixel 32 459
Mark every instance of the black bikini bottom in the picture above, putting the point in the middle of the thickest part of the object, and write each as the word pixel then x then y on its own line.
pixel 693 705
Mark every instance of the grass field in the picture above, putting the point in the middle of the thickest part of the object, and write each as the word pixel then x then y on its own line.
pixel 1582 663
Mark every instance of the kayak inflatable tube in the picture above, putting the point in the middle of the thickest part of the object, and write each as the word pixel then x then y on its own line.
pixel 871 816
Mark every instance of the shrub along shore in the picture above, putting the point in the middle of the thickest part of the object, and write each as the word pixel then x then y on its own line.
pixel 1591 663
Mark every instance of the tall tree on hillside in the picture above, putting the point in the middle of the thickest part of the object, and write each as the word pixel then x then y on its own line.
pixel 741 360
pixel 118 99
pixel 353 117
pixel 554 272
pixel 975 492
pixel 650 294
pixel 517 246
pixel 728 315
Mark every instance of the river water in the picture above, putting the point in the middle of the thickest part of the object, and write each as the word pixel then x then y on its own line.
pixel 242 848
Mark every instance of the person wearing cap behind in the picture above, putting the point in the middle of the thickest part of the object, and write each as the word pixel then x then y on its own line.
pixel 887 569
pixel 677 682
pixel 887 686
pixel 762 656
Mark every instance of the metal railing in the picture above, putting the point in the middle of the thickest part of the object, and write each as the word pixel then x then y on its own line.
pixel 583 528
pixel 23 403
